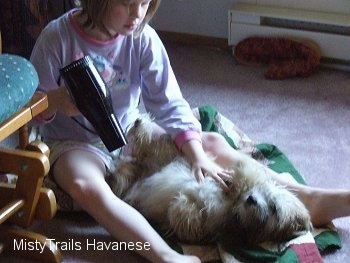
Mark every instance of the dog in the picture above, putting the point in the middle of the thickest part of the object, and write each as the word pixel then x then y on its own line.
pixel 158 181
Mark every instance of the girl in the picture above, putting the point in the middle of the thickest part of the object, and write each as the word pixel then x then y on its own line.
pixel 133 63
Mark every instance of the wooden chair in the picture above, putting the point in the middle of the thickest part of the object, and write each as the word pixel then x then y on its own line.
pixel 25 201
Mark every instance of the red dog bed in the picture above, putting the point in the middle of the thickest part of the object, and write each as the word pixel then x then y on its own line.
pixel 285 57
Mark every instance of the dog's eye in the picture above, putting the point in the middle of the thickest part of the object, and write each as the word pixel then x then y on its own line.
pixel 273 209
pixel 251 200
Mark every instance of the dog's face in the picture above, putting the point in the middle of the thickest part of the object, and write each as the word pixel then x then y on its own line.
pixel 255 207
pixel 267 212
pixel 263 211
pixel 254 210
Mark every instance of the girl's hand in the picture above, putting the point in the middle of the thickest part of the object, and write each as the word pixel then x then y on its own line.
pixel 204 166
pixel 208 167
pixel 60 100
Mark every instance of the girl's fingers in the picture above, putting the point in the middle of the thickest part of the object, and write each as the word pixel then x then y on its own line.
pixel 227 175
pixel 221 180
pixel 199 175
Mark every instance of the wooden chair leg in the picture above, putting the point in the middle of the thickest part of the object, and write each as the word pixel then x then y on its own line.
pixel 46 206
pixel 29 244
pixel 31 167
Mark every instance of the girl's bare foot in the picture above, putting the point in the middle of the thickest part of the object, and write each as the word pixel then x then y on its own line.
pixel 325 205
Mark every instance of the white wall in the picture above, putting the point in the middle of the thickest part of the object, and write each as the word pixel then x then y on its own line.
pixel 209 17
pixel 199 17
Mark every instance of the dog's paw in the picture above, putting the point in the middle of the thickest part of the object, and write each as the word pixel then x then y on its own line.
pixel 186 217
pixel 141 129
pixel 127 172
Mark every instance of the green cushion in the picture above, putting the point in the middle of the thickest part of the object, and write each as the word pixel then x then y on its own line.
pixel 18 82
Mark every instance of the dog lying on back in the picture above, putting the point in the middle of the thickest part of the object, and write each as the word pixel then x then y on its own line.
pixel 158 181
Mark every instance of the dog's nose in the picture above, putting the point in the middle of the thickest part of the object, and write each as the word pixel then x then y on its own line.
pixel 251 200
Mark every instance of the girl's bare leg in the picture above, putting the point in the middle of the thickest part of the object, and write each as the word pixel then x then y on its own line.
pixel 324 205
pixel 81 175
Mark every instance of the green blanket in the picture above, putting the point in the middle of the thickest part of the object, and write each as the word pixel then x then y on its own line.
pixel 305 248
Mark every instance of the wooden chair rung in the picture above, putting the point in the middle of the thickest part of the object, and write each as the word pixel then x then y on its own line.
pixel 10 209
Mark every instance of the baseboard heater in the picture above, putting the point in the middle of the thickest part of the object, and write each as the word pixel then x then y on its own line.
pixel 330 31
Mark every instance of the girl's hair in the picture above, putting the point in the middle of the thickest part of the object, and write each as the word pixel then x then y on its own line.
pixel 97 10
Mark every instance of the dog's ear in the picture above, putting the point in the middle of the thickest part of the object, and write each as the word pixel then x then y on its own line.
pixel 252 172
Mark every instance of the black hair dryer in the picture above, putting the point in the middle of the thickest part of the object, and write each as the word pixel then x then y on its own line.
pixel 93 99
